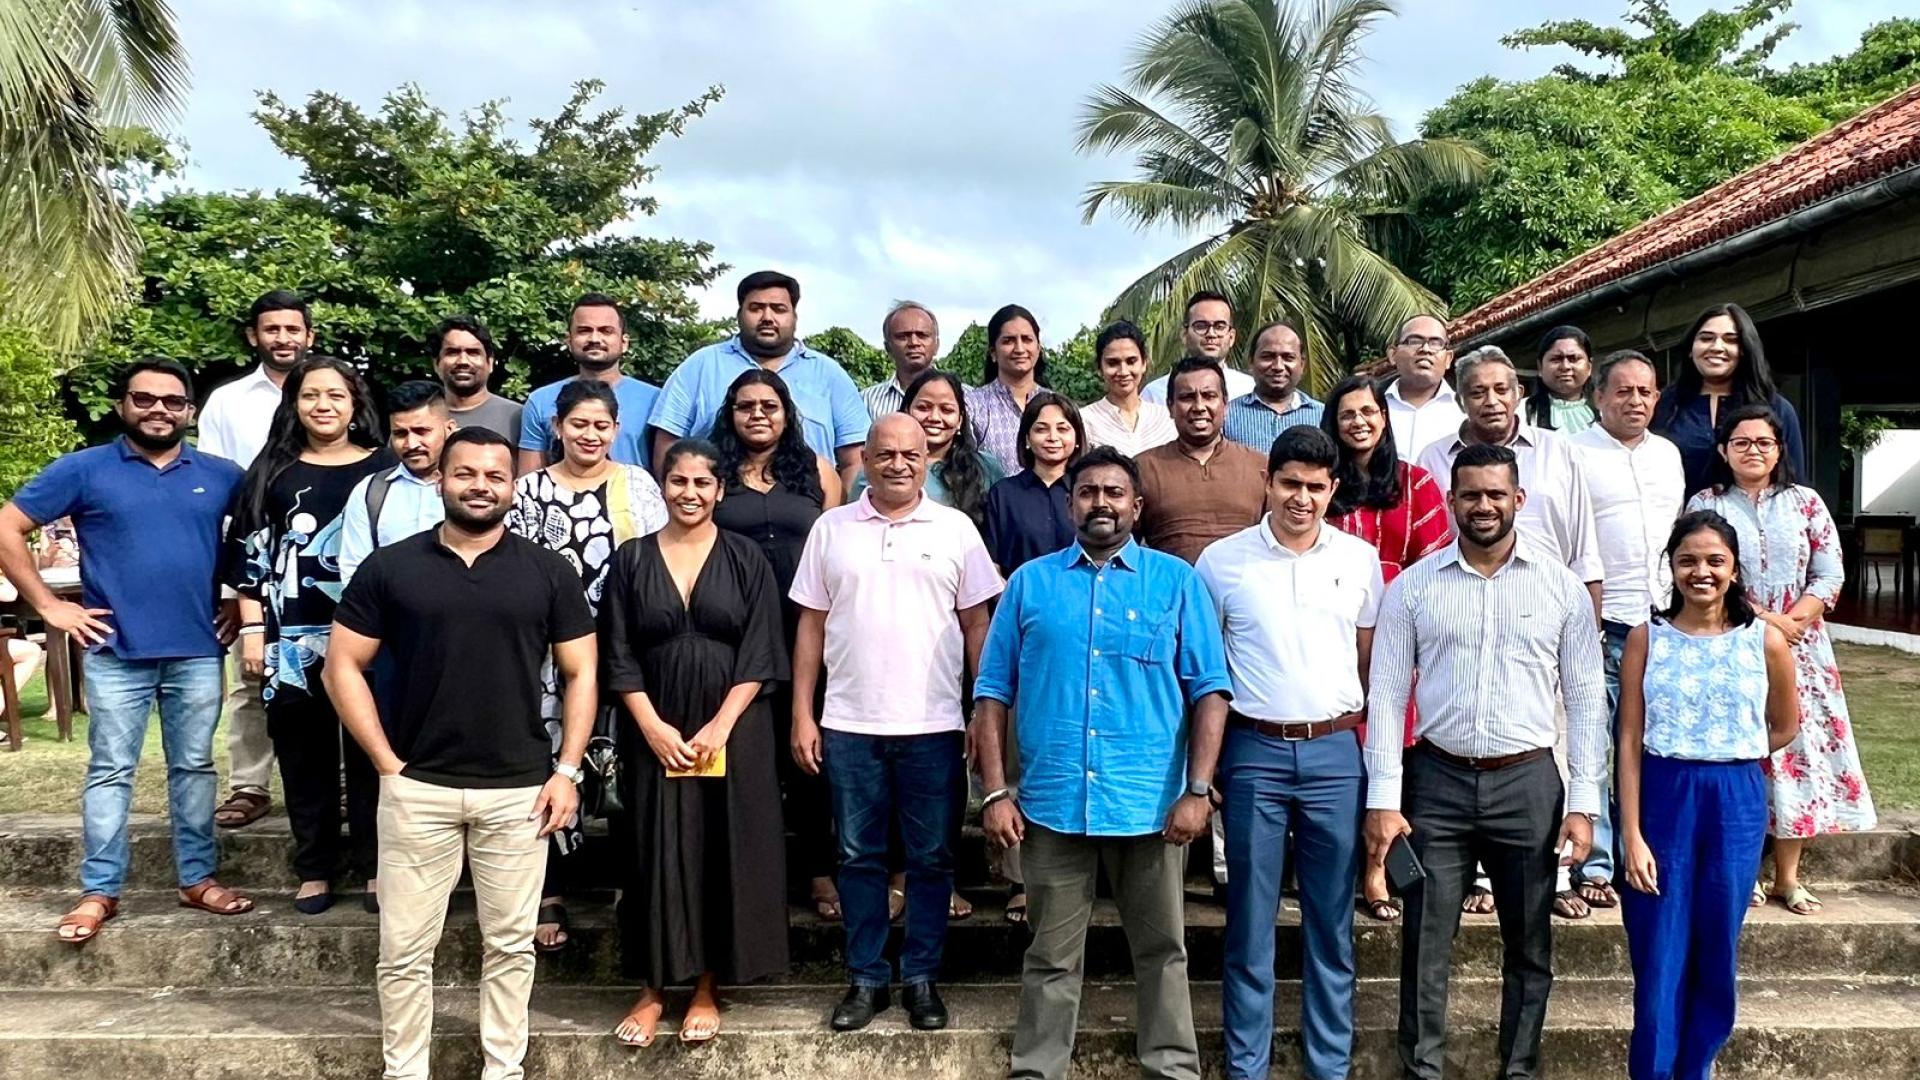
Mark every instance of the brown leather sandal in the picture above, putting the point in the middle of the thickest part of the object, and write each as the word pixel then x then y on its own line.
pixel 84 925
pixel 215 899
pixel 241 809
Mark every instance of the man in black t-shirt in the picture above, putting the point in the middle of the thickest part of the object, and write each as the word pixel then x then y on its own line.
pixel 467 611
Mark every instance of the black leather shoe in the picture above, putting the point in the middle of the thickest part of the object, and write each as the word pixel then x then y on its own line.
pixel 858 1008
pixel 925 1010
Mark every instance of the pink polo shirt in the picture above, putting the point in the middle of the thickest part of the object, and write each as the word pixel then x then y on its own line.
pixel 890 590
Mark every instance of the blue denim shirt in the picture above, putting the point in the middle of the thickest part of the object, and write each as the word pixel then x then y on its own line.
pixel 1099 665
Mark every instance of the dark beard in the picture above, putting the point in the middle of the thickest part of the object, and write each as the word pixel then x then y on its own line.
pixel 147 442
pixel 598 363
pixel 457 514
pixel 266 360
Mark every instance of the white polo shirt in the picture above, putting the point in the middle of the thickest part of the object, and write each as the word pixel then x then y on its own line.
pixel 1416 427
pixel 1638 493
pixel 894 652
pixel 239 416
pixel 1290 620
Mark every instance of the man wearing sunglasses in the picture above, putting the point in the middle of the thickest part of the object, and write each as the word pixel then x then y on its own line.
pixel 148 510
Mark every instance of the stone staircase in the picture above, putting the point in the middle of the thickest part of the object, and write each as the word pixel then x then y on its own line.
pixel 167 992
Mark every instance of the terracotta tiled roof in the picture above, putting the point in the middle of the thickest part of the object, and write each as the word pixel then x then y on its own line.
pixel 1874 144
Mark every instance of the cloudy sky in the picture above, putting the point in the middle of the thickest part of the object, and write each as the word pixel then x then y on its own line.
pixel 875 149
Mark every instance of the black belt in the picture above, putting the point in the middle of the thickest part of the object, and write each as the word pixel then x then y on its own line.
pixel 1296 730
pixel 1484 764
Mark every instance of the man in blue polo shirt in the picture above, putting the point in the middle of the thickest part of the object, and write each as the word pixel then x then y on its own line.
pixel 597 341
pixel 833 416
pixel 148 510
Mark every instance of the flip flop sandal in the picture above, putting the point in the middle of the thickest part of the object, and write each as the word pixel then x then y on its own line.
pixel 648 1039
pixel 215 899
pixel 692 1037
pixel 557 915
pixel 241 809
pixel 1563 905
pixel 1800 901
pixel 1473 897
pixel 1017 913
pixel 1385 909
pixel 1757 898
pixel 1598 894
pixel 86 927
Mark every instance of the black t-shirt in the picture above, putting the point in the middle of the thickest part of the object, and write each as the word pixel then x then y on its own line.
pixel 467 643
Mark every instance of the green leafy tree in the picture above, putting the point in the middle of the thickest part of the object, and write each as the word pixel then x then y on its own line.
pixel 405 217
pixel 1249 127
pixel 34 428
pixel 867 363
pixel 1887 62
pixel 71 71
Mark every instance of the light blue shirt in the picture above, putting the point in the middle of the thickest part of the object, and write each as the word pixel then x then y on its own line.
pixel 636 398
pixel 1706 697
pixel 832 413
pixel 1252 424
pixel 1116 654
pixel 412 506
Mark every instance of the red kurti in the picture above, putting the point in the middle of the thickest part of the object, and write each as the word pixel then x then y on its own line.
pixel 1404 534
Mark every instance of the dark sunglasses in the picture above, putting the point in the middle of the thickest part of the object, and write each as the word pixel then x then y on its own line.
pixel 172 402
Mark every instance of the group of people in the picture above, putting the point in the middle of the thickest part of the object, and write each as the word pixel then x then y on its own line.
pixel 1545 645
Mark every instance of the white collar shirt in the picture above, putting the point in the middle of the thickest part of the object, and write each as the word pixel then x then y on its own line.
pixel 1558 514
pixel 1415 427
pixel 239 416
pixel 1638 493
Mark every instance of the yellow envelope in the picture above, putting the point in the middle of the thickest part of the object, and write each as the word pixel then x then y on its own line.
pixel 716 767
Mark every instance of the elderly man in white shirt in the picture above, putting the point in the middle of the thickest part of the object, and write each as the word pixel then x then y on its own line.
pixel 1638 485
pixel 1421 408
pixel 1502 635
pixel 234 425
pixel 388 507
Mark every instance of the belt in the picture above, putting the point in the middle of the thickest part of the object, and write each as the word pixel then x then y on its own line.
pixel 1296 730
pixel 1485 764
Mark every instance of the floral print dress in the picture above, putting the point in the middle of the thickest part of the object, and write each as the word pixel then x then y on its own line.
pixel 1789 549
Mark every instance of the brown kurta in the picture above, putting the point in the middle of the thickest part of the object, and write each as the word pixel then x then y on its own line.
pixel 1187 505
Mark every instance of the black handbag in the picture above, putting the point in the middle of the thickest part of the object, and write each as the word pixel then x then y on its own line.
pixel 600 771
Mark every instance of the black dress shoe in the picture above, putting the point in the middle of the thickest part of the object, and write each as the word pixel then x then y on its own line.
pixel 858 1008
pixel 925 1010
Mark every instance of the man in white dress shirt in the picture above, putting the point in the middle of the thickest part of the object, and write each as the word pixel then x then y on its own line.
pixel 234 425
pixel 1206 330
pixel 1297 600
pixel 1638 486
pixel 1501 634
pixel 1421 407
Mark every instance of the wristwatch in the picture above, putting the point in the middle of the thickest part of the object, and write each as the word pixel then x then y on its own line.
pixel 571 772
pixel 1200 789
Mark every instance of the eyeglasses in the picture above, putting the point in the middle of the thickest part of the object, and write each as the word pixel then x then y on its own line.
pixel 1741 446
pixel 1350 415
pixel 1415 341
pixel 749 408
pixel 1199 327
pixel 171 402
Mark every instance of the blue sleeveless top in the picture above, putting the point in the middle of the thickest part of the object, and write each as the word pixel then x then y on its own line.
pixel 1706 696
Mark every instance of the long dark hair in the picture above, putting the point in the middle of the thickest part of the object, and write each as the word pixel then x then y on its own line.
pixel 1752 378
pixel 1722 474
pixel 1539 407
pixel 961 471
pixel 794 466
pixel 1739 609
pixel 1379 486
pixel 287 439
pixel 1031 416
pixel 998 323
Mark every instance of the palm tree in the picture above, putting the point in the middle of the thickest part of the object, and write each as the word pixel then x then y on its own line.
pixel 1247 127
pixel 71 71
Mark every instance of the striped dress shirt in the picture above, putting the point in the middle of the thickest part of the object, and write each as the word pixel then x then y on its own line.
pixel 1492 653
pixel 883 399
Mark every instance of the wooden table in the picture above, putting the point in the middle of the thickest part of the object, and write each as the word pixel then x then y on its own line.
pixel 65 668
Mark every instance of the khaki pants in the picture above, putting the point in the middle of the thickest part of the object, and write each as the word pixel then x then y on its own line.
pixel 249 747
pixel 424 831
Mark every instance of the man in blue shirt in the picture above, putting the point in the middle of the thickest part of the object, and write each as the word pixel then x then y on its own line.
pixel 833 416
pixel 1276 402
pixel 148 511
pixel 1113 773
pixel 597 340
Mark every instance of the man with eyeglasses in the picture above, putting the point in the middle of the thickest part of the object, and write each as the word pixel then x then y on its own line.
pixel 1421 407
pixel 148 509
pixel 1206 330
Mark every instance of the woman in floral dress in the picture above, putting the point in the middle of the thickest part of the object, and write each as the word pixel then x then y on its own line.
pixel 1790 561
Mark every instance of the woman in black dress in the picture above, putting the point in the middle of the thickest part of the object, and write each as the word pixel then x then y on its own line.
pixel 690 628
pixel 776 489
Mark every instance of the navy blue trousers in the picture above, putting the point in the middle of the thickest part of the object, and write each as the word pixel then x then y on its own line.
pixel 1705 822
pixel 1311 790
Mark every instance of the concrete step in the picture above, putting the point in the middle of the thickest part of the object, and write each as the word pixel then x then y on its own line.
pixel 1788 1030
pixel 43 851
pixel 1862 932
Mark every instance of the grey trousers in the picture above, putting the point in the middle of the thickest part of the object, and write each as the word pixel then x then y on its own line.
pixel 1507 820
pixel 1146 873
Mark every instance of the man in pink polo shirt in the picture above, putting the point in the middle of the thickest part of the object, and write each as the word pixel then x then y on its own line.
pixel 893 590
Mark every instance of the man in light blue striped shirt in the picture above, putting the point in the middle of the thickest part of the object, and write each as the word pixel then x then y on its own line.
pixel 1276 403
pixel 1498 630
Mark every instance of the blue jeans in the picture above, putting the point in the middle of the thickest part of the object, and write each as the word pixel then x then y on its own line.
pixel 1600 862
pixel 877 779
pixel 1310 790
pixel 120 697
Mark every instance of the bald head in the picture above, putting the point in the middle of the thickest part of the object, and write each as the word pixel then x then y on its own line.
pixel 895 459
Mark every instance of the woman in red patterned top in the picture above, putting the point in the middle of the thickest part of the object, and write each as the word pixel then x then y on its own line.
pixel 1395 506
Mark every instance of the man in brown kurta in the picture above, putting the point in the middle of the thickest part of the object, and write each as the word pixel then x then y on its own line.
pixel 1200 487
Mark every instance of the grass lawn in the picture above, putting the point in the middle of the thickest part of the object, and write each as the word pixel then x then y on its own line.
pixel 1883 687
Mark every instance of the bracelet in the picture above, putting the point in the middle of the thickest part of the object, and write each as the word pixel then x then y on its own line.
pixel 251 625
pixel 253 630
pixel 996 795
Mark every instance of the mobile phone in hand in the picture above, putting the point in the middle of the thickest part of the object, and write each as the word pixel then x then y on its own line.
pixel 1403 867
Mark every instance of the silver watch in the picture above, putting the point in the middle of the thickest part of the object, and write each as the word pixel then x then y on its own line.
pixel 571 772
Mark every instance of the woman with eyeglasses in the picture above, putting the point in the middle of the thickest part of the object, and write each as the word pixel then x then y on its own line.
pixel 1392 504
pixel 1727 369
pixel 1790 565
pixel 284 544
pixel 776 487
pixel 1562 398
